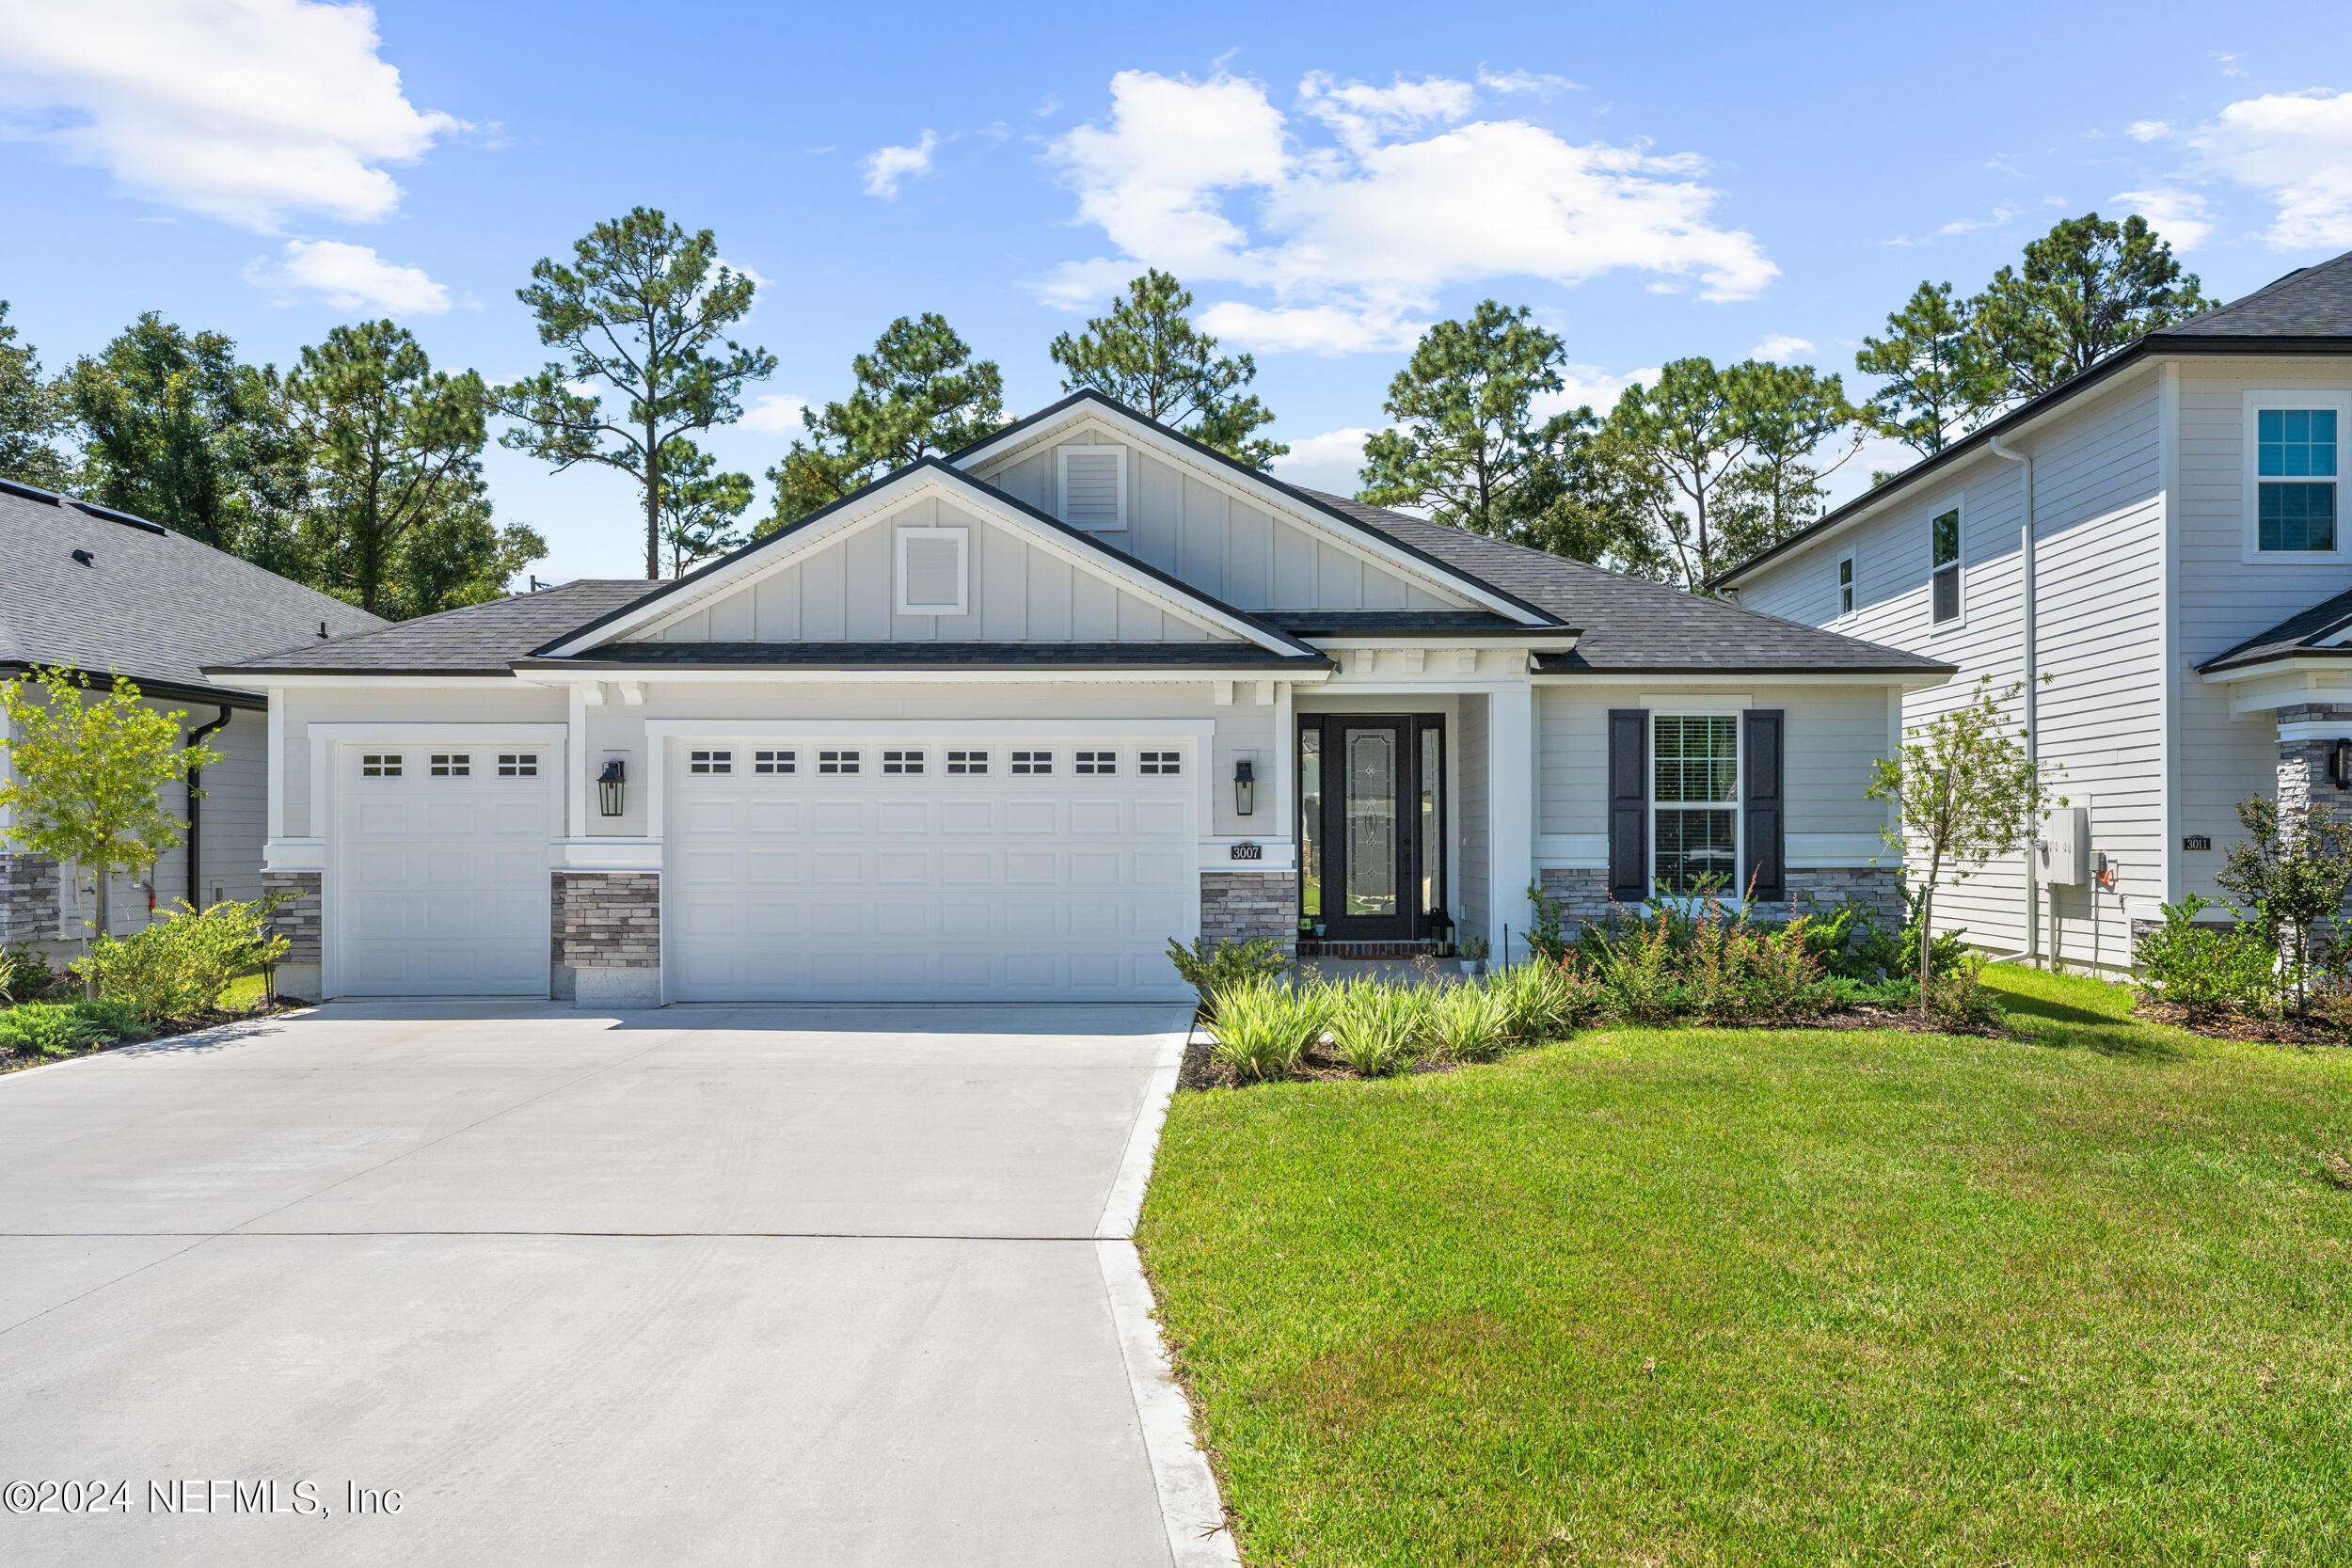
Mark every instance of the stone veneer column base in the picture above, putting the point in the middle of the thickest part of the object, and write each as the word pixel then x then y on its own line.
pixel 606 950
pixel 301 921
pixel 1250 906
pixel 28 900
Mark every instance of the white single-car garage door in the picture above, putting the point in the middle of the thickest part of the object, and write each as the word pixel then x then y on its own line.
pixel 934 868
pixel 441 868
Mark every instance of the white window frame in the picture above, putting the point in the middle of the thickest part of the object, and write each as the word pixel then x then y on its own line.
pixel 1844 586
pixel 1733 897
pixel 2251 552
pixel 1061 483
pixel 961 537
pixel 1957 502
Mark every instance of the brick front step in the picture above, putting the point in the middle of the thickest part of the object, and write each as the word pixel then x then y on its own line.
pixel 1310 949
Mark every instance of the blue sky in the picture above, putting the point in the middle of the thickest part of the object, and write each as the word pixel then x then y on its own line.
pixel 1654 182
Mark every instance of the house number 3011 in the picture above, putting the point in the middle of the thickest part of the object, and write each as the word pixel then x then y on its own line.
pixel 1247 852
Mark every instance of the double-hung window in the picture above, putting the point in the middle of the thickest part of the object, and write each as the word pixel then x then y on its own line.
pixel 1944 565
pixel 1694 796
pixel 2294 480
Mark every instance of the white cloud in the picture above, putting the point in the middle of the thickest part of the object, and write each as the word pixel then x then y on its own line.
pixel 2180 216
pixel 1355 239
pixel 885 167
pixel 352 277
pixel 1333 449
pixel 775 414
pixel 1588 387
pixel 244 110
pixel 1780 347
pixel 1542 85
pixel 2148 130
pixel 1994 219
pixel 2296 147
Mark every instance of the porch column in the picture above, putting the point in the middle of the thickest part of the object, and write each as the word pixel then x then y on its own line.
pixel 2307 734
pixel 1510 812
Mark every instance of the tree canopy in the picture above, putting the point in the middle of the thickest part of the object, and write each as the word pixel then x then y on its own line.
pixel 32 416
pixel 1938 379
pixel 1148 354
pixel 2084 290
pixel 919 393
pixel 641 310
pixel 700 509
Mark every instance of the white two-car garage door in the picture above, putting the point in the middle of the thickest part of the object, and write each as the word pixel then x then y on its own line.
pixel 441 868
pixel 929 868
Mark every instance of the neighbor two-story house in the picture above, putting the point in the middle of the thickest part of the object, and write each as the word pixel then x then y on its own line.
pixel 2158 551
pixel 1001 726
pixel 104 594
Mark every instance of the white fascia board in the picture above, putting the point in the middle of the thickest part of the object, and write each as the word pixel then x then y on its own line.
pixel 1360 542
pixel 1201 729
pixel 1741 681
pixel 972 496
pixel 361 681
pixel 2286 664
pixel 921 675
pixel 1483 642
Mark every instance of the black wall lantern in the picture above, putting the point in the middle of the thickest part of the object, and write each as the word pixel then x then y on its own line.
pixel 1245 788
pixel 612 789
pixel 2340 763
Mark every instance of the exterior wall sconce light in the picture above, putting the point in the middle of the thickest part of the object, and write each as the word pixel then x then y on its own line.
pixel 612 789
pixel 1245 788
pixel 2340 763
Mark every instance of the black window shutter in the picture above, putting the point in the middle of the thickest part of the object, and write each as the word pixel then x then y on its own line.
pixel 1628 804
pixel 1761 867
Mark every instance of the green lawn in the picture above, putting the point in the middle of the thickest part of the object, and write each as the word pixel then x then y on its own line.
pixel 1710 1296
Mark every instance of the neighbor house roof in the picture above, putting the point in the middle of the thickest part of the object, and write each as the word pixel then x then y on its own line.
pixel 478 640
pixel 156 606
pixel 2313 633
pixel 2306 311
pixel 1636 626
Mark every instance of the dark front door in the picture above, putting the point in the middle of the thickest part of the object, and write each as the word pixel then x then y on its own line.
pixel 1368 815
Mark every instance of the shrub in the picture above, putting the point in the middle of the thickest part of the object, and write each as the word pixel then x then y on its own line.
pixel 47 1029
pixel 1375 1025
pixel 1263 1028
pixel 1468 1024
pixel 1639 980
pixel 119 1020
pixel 1763 974
pixel 1544 999
pixel 1963 997
pixel 2202 969
pixel 1209 970
pixel 179 967
pixel 25 973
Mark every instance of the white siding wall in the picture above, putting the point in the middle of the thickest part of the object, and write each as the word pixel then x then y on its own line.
pixel 1202 535
pixel 489 701
pixel 2100 560
pixel 236 805
pixel 848 591
pixel 2225 599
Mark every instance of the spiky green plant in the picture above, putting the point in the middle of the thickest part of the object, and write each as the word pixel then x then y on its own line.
pixel 1263 1028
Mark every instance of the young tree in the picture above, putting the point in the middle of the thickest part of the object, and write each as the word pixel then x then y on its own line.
pixel 1964 792
pixel 699 509
pixel 639 311
pixel 1792 412
pixel 1149 354
pixel 393 444
pixel 1938 379
pixel 174 429
pixel 2290 875
pixel 32 415
pixel 920 394
pixel 2084 290
pixel 87 770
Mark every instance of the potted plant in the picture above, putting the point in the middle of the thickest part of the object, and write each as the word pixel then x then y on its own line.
pixel 1474 950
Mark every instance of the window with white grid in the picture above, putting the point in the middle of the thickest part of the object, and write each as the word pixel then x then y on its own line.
pixel 902 762
pixel 775 762
pixel 1159 762
pixel 837 762
pixel 1095 762
pixel 1033 762
pixel 711 762
pixel 451 765
pixel 967 762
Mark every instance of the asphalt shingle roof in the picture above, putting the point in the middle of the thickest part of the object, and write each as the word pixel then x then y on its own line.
pixel 1394 623
pixel 478 640
pixel 1631 625
pixel 2298 636
pixel 2309 302
pixel 155 606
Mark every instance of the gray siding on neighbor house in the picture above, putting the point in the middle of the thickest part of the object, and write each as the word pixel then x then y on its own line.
pixel 1203 534
pixel 847 590
pixel 2099 564
pixel 2225 599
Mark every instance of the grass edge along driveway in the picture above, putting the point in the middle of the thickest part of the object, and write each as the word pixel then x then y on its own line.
pixel 1761 1297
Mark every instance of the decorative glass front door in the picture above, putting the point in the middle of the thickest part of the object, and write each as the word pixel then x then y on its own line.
pixel 1370 845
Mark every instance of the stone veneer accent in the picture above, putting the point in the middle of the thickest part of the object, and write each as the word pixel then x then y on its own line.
pixel 1582 892
pixel 299 920
pixel 1248 906
pixel 28 898
pixel 607 919
pixel 2303 781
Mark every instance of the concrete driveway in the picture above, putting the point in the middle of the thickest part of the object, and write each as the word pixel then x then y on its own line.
pixel 701 1286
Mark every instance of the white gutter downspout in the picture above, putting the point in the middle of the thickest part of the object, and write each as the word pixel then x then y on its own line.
pixel 2032 951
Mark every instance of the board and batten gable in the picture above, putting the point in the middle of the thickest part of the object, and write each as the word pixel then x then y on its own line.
pixel 1193 525
pixel 845 589
pixel 2224 599
pixel 2099 494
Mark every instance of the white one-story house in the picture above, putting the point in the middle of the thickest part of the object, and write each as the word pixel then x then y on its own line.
pixel 999 727
pixel 104 594
pixel 2158 551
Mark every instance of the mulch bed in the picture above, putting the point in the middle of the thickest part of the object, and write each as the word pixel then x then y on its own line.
pixel 2237 1026
pixel 12 1062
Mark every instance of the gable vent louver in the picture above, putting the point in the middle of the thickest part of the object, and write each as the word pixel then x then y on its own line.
pixel 931 572
pixel 1094 489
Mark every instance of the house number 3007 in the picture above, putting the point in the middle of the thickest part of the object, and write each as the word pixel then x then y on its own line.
pixel 1247 852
